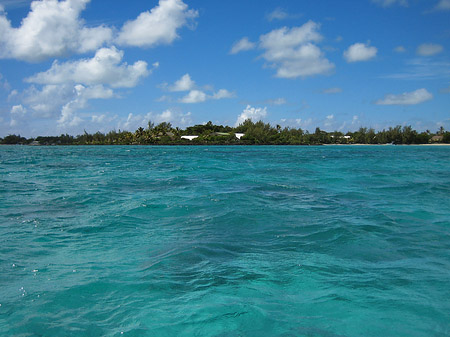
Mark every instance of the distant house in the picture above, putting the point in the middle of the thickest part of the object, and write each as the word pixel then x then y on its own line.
pixel 189 137
pixel 35 143
pixel 436 139
pixel 239 135
pixel 347 137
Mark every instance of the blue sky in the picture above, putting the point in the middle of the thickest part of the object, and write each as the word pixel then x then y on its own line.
pixel 96 65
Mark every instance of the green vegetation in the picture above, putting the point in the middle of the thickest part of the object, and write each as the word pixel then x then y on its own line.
pixel 258 133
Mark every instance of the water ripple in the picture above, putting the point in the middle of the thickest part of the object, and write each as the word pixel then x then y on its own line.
pixel 224 241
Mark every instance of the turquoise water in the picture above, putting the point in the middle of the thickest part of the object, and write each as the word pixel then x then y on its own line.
pixel 225 241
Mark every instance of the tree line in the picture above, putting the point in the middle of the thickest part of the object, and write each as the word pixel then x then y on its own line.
pixel 255 133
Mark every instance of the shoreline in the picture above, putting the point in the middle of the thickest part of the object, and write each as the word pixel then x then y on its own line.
pixel 55 145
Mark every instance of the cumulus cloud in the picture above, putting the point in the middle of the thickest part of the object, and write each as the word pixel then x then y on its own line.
pixel 54 29
pixel 407 98
pixel 185 83
pixel 18 112
pixel 254 114
pixel 81 96
pixel 104 68
pixel 158 26
pixel 194 96
pixel 330 91
pixel 360 52
pixel 51 29
pixel 293 53
pixel 429 49
pixel 222 93
pixel 62 102
pixel 198 96
pixel 277 14
pixel 171 116
pixel 47 102
pixel 98 119
pixel 242 45
pixel 389 3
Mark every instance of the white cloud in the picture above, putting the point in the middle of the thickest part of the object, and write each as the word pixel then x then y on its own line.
pixel 170 116
pixel 104 68
pixel 442 5
pixel 407 98
pixel 82 95
pixel 360 52
pixel 242 45
pixel 194 96
pixel 285 38
pixel 158 26
pixel 47 102
pixel 99 119
pixel 254 114
pixel 277 14
pixel 293 52
pixel 429 49
pixel 18 112
pixel 389 3
pixel 62 102
pixel 222 93
pixel 51 29
pixel 304 123
pixel 95 92
pixel 329 122
pixel 198 96
pixel 54 29
pixel 195 93
pixel 400 49
pixel 347 125
pixel 135 121
pixel 185 83
pixel 12 94
pixel 334 90
pixel 164 98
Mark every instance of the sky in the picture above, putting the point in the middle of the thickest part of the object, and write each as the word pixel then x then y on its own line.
pixel 71 66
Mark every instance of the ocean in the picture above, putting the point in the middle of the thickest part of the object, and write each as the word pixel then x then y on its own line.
pixel 225 241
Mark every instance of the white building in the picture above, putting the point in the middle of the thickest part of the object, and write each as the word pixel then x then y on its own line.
pixel 189 137
pixel 239 135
